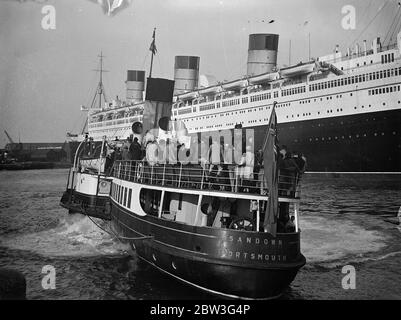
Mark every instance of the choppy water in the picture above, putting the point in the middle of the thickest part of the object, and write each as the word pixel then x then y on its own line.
pixel 343 222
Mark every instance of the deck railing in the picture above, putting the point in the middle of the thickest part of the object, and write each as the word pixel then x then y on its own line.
pixel 227 178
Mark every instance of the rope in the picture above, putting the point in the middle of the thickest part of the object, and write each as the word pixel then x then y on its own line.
pixel 396 29
pixel 112 233
pixel 394 24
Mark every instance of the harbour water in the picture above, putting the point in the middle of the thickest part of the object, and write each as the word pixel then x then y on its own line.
pixel 343 223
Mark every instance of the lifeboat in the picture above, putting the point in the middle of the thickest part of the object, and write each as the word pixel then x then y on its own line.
pixel 189 95
pixel 267 77
pixel 210 90
pixel 298 70
pixel 235 85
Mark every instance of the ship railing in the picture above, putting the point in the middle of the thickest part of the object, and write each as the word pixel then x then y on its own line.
pixel 227 178
pixel 363 53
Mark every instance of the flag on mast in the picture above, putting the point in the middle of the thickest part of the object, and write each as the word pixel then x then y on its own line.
pixel 270 156
pixel 153 44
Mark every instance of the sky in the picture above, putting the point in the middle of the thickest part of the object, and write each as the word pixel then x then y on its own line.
pixel 46 75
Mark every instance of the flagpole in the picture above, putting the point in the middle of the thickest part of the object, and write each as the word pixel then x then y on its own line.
pixel 153 52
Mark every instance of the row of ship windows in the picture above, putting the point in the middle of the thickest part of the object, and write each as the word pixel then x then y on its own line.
pixel 309 114
pixel 355 79
pixel 384 90
pixel 321 99
pixel 376 134
pixel 203 108
pixel 265 119
pixel 302 89
pixel 287 92
pixel 227 114
pixel 232 102
pixel 388 58
pixel 288 116
pixel 264 96
pixel 211 106
pixel 122 195
pixel 283 105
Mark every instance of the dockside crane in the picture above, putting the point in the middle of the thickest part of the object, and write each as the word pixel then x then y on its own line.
pixel 9 137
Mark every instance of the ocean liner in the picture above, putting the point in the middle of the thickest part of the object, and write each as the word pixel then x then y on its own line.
pixel 342 111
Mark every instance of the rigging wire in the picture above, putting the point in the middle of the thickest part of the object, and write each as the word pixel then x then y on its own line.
pixel 371 21
pixel 392 26
pixel 396 28
pixel 144 59
pixel 88 100
pixel 364 17
pixel 160 65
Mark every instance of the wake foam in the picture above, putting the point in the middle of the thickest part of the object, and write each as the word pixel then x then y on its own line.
pixel 75 235
pixel 327 239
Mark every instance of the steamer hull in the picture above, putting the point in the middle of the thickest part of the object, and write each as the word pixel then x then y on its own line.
pixel 223 262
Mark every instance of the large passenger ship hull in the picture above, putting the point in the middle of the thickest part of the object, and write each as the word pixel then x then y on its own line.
pixel 368 142
pixel 223 262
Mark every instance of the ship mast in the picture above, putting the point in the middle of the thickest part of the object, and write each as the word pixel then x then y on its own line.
pixel 100 88
pixel 98 93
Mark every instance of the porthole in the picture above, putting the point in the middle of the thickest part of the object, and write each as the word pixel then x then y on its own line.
pixel 173 265
pixel 153 257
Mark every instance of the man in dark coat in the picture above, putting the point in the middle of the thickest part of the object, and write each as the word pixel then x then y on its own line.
pixel 135 150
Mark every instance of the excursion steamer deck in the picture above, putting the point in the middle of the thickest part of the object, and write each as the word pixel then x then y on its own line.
pixel 213 223
pixel 204 231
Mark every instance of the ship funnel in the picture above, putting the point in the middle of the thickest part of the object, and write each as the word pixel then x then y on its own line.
pixel 262 53
pixel 186 74
pixel 365 48
pixel 135 85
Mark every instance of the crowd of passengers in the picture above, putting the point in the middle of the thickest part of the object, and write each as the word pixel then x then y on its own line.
pixel 219 174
